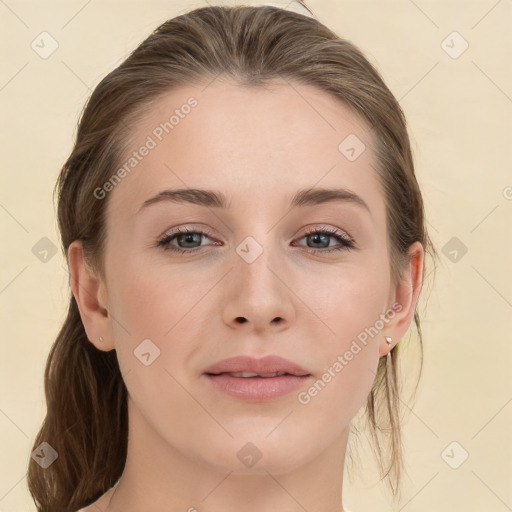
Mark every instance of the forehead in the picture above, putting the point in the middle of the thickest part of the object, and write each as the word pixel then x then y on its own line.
pixel 254 143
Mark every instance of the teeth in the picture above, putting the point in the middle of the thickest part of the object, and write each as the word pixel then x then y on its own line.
pixel 250 374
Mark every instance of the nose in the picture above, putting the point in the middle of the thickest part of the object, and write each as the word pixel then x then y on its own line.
pixel 259 295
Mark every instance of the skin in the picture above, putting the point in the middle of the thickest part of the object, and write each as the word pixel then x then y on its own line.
pixel 258 146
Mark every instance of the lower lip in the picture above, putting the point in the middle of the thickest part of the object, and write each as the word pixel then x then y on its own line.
pixel 257 389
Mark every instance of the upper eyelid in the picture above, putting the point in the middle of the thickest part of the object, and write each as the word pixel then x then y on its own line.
pixel 184 231
pixel 329 230
pixel 205 231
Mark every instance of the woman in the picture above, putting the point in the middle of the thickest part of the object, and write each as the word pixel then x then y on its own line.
pixel 246 245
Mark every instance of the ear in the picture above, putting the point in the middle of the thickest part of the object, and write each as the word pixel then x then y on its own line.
pixel 404 297
pixel 90 294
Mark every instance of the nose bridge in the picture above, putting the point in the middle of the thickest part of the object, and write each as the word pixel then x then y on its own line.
pixel 257 292
pixel 258 259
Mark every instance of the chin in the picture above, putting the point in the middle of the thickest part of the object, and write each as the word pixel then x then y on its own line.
pixel 258 454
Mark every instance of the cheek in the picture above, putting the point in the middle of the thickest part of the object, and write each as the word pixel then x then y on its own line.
pixel 348 350
pixel 347 300
pixel 152 300
pixel 169 307
pixel 152 313
pixel 351 309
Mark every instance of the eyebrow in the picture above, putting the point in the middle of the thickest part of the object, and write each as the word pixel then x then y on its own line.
pixel 216 199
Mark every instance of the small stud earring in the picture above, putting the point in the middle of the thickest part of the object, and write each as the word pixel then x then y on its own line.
pixel 101 339
pixel 389 339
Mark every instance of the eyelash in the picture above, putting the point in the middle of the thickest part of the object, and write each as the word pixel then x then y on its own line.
pixel 346 242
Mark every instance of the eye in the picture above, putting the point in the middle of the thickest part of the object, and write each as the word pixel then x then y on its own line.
pixel 186 237
pixel 189 240
pixel 320 236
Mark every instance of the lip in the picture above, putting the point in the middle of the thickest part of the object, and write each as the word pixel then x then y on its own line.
pixel 256 389
pixel 267 364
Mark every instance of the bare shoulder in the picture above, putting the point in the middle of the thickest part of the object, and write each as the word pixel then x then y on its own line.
pixel 100 504
pixel 88 508
pixel 93 507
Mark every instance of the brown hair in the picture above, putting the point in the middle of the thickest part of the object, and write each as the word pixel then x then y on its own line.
pixel 86 421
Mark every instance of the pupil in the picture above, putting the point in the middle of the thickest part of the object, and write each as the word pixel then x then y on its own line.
pixel 189 237
pixel 317 236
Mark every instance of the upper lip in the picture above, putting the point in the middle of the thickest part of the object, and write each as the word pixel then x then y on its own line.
pixel 264 365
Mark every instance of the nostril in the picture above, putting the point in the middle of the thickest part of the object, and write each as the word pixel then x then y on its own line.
pixel 241 320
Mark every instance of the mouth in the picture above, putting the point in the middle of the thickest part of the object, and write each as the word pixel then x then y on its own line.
pixel 248 387
pixel 256 380
pixel 245 366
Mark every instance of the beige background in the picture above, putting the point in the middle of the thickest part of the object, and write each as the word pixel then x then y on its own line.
pixel 460 116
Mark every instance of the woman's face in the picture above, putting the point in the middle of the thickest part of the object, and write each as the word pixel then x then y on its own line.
pixel 174 306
